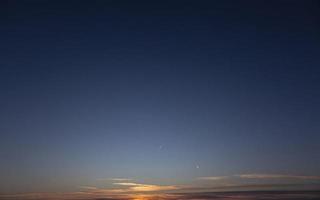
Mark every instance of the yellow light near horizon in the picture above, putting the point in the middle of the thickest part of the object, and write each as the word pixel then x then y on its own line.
pixel 142 197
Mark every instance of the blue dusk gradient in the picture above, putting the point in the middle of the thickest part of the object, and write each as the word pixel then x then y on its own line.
pixel 161 95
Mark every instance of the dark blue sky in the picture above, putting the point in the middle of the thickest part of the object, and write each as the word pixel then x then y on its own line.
pixel 160 92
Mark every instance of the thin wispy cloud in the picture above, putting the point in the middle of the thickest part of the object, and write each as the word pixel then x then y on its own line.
pixel 277 176
pixel 213 178
pixel 259 176
pixel 130 187
pixel 126 184
pixel 114 179
pixel 137 187
pixel 121 179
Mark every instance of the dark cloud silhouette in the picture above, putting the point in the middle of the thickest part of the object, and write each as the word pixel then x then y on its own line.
pixel 256 195
pixel 251 195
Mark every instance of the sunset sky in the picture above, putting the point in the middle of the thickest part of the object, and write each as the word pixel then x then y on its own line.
pixel 107 99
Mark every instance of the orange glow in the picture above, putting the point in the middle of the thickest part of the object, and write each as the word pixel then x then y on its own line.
pixel 141 197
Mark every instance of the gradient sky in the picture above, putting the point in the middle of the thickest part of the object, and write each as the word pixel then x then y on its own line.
pixel 161 93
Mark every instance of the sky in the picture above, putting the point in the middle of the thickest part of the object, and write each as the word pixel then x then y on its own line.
pixel 148 96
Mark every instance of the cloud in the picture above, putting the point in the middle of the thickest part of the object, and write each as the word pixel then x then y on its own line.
pixel 128 188
pixel 252 195
pixel 127 184
pixel 237 192
pixel 213 178
pixel 121 179
pixel 277 176
pixel 260 176
pixel 237 187
pixel 137 187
